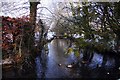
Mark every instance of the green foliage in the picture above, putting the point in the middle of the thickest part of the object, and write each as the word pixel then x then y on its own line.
pixel 97 22
pixel 76 53
pixel 74 50
pixel 69 50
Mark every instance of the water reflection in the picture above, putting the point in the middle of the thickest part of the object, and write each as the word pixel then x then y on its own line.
pixel 56 56
pixel 38 67
pixel 54 64
pixel 98 60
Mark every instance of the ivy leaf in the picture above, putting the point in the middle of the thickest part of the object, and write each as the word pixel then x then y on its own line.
pixel 76 53
pixel 69 50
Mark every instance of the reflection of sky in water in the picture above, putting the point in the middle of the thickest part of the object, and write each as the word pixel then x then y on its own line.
pixel 57 56
pixel 38 67
pixel 98 59
pixel 71 58
pixel 110 63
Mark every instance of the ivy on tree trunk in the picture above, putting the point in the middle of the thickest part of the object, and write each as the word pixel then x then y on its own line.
pixel 30 37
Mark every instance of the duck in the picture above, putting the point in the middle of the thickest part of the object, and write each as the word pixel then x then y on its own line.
pixel 72 65
pixel 68 65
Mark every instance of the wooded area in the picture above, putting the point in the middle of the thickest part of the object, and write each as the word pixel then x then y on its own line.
pixel 88 26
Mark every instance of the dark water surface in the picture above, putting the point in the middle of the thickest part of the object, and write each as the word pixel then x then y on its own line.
pixel 54 64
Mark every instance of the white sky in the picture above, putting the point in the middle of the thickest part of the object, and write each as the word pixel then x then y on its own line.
pixel 44 3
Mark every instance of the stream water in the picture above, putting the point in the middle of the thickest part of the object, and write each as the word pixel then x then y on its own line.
pixel 54 64
pixel 57 64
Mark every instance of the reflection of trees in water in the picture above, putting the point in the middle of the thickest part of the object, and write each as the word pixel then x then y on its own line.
pixel 43 60
pixel 56 56
pixel 104 60
pixel 88 54
pixel 117 62
pixel 41 66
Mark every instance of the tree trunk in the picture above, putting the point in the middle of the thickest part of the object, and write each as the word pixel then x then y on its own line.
pixel 41 42
pixel 33 11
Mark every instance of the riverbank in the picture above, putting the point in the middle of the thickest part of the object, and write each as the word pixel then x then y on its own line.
pixel 57 64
